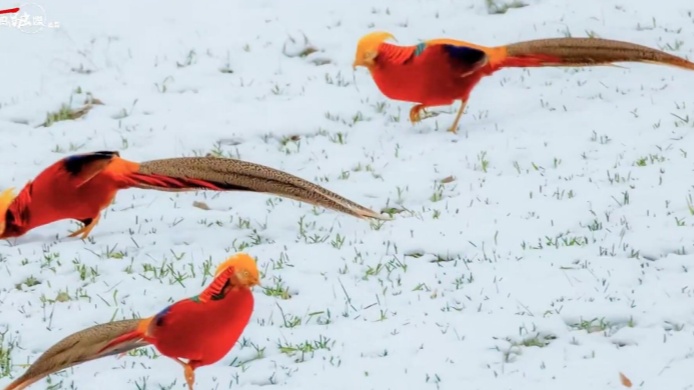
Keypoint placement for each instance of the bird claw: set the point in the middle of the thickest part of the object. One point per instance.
(416, 116)
(86, 229)
(416, 113)
(83, 233)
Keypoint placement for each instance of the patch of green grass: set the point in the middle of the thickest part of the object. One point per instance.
(277, 289)
(305, 348)
(537, 341)
(590, 326)
(7, 345)
(495, 8)
(65, 113)
(30, 281)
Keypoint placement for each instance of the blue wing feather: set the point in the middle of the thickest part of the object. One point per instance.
(463, 55)
(159, 317)
(76, 163)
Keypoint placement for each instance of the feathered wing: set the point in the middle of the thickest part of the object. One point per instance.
(83, 167)
(80, 347)
(464, 59)
(225, 174)
(493, 55)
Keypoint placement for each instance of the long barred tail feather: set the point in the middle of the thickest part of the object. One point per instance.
(225, 174)
(585, 52)
(79, 347)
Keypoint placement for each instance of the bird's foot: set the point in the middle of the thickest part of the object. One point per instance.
(415, 113)
(86, 229)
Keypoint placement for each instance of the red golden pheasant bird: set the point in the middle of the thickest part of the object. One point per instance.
(201, 329)
(80, 186)
(440, 71)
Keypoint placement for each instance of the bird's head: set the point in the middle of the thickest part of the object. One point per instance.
(6, 198)
(367, 48)
(245, 270)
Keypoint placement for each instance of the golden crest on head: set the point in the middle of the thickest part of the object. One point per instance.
(245, 267)
(367, 47)
(6, 198)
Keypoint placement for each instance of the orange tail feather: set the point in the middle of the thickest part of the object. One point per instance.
(529, 61)
(134, 335)
(169, 183)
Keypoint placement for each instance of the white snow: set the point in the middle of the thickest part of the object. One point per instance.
(565, 239)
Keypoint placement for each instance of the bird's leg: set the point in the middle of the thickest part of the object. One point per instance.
(454, 129)
(188, 372)
(190, 376)
(89, 224)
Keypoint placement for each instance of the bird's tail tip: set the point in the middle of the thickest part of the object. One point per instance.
(21, 383)
(370, 214)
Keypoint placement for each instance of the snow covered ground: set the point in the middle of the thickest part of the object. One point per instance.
(548, 245)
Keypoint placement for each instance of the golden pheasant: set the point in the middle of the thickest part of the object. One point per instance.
(201, 329)
(80, 186)
(440, 71)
